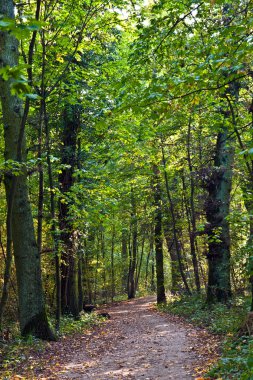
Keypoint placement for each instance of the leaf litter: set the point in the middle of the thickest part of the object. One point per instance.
(137, 342)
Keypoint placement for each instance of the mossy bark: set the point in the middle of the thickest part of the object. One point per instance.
(32, 315)
(217, 211)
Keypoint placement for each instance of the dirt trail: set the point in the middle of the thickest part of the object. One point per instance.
(138, 343)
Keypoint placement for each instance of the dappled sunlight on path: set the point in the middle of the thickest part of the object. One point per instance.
(137, 343)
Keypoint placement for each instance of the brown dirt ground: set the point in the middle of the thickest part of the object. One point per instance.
(137, 343)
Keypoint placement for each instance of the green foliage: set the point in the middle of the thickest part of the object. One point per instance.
(140, 76)
(218, 318)
(22, 27)
(19, 83)
(86, 320)
(237, 360)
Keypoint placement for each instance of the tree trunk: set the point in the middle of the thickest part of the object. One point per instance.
(175, 272)
(217, 210)
(32, 314)
(8, 263)
(133, 258)
(174, 227)
(191, 212)
(112, 264)
(41, 178)
(124, 261)
(86, 268)
(161, 298)
(138, 271)
(150, 252)
(52, 212)
(80, 280)
(103, 251)
(69, 267)
(152, 281)
(218, 202)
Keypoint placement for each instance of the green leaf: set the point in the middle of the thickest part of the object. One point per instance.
(250, 362)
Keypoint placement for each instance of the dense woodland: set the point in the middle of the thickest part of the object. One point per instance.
(126, 154)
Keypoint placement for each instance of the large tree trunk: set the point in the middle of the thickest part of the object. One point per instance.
(217, 206)
(32, 315)
(217, 210)
(69, 270)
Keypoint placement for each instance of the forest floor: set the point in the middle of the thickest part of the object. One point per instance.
(137, 342)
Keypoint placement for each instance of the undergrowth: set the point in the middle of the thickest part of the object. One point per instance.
(18, 349)
(236, 361)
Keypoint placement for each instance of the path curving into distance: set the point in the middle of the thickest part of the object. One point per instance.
(137, 343)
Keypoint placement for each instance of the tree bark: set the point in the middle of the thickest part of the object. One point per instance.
(69, 266)
(103, 251)
(8, 262)
(139, 266)
(133, 257)
(124, 261)
(161, 297)
(112, 264)
(32, 314)
(175, 272)
(217, 210)
(147, 261)
(174, 227)
(191, 212)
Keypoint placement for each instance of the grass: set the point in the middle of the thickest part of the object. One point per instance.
(237, 353)
(218, 318)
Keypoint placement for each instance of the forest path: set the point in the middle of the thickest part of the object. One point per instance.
(141, 343)
(137, 342)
